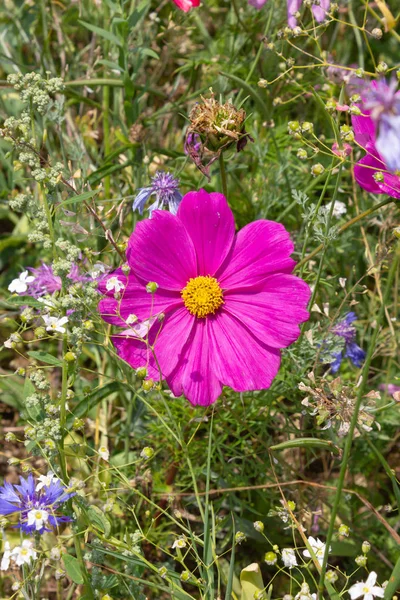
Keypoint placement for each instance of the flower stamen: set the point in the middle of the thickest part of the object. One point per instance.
(202, 296)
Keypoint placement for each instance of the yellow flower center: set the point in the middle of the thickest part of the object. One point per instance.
(202, 296)
(38, 515)
(24, 552)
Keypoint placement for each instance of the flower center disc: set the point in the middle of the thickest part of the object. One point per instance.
(202, 296)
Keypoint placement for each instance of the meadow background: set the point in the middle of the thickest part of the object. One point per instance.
(237, 482)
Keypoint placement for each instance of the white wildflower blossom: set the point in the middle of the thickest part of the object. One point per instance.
(20, 285)
(317, 547)
(289, 558)
(367, 589)
(45, 480)
(55, 323)
(104, 453)
(38, 518)
(114, 285)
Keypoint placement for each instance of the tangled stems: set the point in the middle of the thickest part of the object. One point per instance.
(349, 438)
(367, 212)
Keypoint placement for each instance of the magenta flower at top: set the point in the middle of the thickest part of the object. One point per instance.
(375, 131)
(186, 5)
(228, 302)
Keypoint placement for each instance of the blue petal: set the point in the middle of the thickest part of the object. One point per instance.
(350, 317)
(335, 365)
(8, 493)
(174, 202)
(355, 354)
(141, 199)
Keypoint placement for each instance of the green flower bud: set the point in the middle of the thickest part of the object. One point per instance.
(69, 357)
(151, 287)
(240, 537)
(163, 571)
(10, 437)
(344, 530)
(141, 372)
(381, 67)
(361, 561)
(186, 575)
(317, 169)
(270, 558)
(258, 526)
(40, 332)
(148, 385)
(331, 576)
(302, 154)
(147, 453)
(378, 176)
(366, 547)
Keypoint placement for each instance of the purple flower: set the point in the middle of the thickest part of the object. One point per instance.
(346, 330)
(36, 505)
(382, 100)
(165, 187)
(45, 282)
(193, 141)
(293, 6)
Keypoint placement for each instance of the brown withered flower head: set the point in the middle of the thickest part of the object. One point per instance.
(332, 403)
(214, 127)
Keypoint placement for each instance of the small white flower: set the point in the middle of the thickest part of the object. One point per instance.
(317, 547)
(55, 323)
(104, 453)
(5, 561)
(289, 557)
(179, 543)
(367, 589)
(338, 210)
(98, 270)
(48, 304)
(38, 518)
(114, 285)
(13, 339)
(22, 555)
(19, 285)
(55, 553)
(46, 480)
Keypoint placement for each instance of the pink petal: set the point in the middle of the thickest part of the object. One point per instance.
(161, 250)
(239, 359)
(390, 185)
(273, 313)
(134, 299)
(186, 5)
(211, 226)
(168, 339)
(364, 171)
(260, 249)
(321, 10)
(194, 375)
(364, 129)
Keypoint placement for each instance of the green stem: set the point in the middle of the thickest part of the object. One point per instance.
(344, 227)
(353, 424)
(106, 135)
(223, 175)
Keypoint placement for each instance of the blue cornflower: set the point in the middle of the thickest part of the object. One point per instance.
(36, 505)
(346, 330)
(165, 188)
(383, 103)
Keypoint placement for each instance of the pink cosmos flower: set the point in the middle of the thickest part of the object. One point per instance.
(226, 303)
(186, 5)
(371, 172)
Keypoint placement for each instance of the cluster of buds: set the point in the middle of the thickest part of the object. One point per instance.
(214, 127)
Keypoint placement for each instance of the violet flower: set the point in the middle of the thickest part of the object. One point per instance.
(346, 330)
(45, 282)
(375, 131)
(165, 188)
(319, 10)
(36, 506)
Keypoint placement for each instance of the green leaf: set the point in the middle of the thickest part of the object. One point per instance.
(394, 582)
(24, 301)
(101, 32)
(91, 400)
(252, 581)
(49, 359)
(308, 443)
(149, 52)
(79, 198)
(97, 518)
(73, 568)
